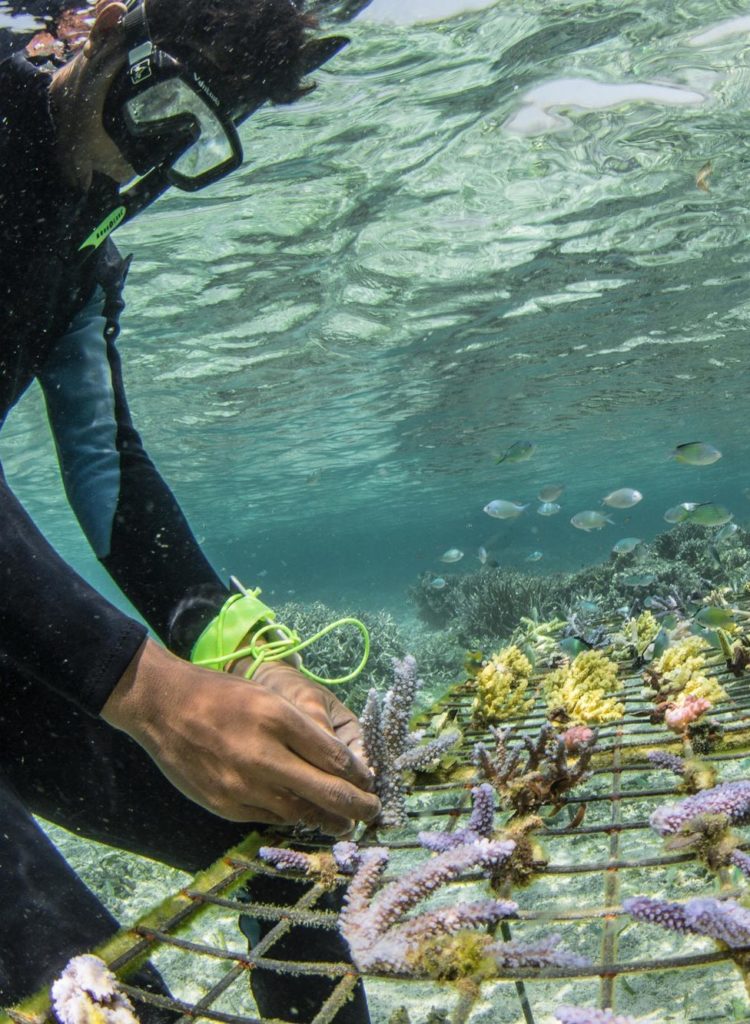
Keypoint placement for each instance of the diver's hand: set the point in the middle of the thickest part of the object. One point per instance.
(238, 748)
(311, 698)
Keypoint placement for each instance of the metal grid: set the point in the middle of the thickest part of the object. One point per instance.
(592, 866)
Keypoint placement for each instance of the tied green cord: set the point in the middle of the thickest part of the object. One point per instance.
(276, 650)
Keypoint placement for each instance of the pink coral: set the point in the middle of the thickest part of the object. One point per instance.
(575, 737)
(678, 716)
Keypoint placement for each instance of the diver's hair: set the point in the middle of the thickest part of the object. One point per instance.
(257, 44)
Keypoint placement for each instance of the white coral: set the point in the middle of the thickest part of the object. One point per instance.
(87, 993)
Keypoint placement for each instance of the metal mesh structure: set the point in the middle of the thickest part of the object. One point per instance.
(600, 850)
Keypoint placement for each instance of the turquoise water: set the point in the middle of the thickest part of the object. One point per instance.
(480, 229)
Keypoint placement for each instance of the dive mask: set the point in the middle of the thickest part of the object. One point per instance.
(168, 113)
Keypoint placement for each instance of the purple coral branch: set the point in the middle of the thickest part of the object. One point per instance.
(422, 758)
(724, 920)
(286, 860)
(741, 860)
(542, 953)
(730, 798)
(586, 1015)
(480, 824)
(663, 759)
(374, 927)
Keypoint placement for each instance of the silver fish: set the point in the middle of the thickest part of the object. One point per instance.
(725, 533)
(500, 509)
(452, 555)
(625, 497)
(590, 520)
(518, 452)
(548, 508)
(482, 554)
(626, 545)
(534, 556)
(678, 513)
(696, 453)
(438, 583)
(551, 492)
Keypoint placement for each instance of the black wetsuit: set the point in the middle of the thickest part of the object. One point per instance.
(63, 647)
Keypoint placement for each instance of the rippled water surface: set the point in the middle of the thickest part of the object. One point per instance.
(479, 229)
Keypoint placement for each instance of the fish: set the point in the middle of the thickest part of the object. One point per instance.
(639, 579)
(714, 617)
(703, 175)
(452, 555)
(696, 453)
(573, 646)
(520, 451)
(709, 514)
(548, 508)
(551, 492)
(725, 533)
(625, 497)
(679, 513)
(590, 520)
(438, 583)
(626, 545)
(482, 554)
(534, 556)
(500, 509)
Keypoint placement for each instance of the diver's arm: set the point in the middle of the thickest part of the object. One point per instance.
(126, 510)
(54, 626)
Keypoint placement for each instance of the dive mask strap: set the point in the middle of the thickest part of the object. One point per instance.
(246, 628)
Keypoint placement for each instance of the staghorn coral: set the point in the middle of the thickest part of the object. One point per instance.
(542, 953)
(588, 1015)
(501, 687)
(535, 772)
(87, 992)
(682, 670)
(390, 747)
(724, 920)
(731, 799)
(380, 935)
(480, 824)
(696, 774)
(585, 689)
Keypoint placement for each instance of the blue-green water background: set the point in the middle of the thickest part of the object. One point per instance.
(326, 352)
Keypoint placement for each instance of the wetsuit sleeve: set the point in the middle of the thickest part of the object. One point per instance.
(54, 626)
(125, 508)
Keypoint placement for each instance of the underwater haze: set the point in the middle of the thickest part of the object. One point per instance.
(522, 221)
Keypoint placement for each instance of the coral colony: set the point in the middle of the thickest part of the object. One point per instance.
(391, 748)
(87, 993)
(731, 799)
(480, 824)
(535, 772)
(724, 920)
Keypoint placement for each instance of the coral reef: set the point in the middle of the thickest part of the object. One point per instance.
(731, 799)
(390, 747)
(682, 671)
(87, 992)
(534, 772)
(380, 935)
(501, 687)
(724, 920)
(585, 689)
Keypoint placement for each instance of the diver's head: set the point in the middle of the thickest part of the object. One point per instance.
(164, 83)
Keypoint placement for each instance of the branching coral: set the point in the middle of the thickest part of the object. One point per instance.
(87, 992)
(724, 920)
(535, 772)
(381, 936)
(479, 826)
(731, 799)
(390, 747)
(585, 689)
(636, 637)
(682, 670)
(696, 775)
(501, 687)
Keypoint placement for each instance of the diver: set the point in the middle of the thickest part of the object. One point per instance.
(104, 730)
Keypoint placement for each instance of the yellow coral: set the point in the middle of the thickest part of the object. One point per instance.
(502, 685)
(585, 688)
(682, 669)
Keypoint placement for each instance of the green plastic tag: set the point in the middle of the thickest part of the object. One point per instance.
(105, 229)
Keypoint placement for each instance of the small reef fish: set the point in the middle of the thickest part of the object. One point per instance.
(626, 545)
(590, 520)
(548, 508)
(534, 556)
(639, 579)
(452, 555)
(625, 497)
(714, 617)
(703, 176)
(518, 452)
(551, 492)
(438, 583)
(696, 453)
(725, 533)
(709, 514)
(679, 513)
(482, 554)
(500, 509)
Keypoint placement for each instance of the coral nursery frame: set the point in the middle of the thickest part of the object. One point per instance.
(600, 849)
